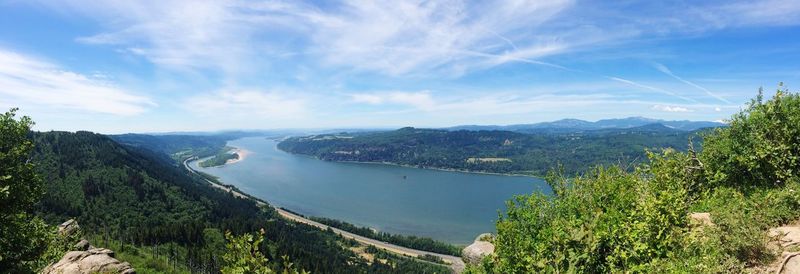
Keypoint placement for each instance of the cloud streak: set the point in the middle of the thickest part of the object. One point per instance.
(659, 90)
(29, 81)
(667, 71)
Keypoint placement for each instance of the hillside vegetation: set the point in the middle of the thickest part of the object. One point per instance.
(493, 151)
(611, 220)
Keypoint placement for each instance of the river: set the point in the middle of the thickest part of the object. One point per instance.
(448, 206)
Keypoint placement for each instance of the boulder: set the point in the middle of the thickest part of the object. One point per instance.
(480, 248)
(68, 228)
(787, 236)
(83, 245)
(95, 260)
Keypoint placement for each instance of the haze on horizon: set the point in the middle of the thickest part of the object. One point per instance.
(159, 66)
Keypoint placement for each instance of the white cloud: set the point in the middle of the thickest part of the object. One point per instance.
(402, 37)
(421, 100)
(251, 104)
(30, 82)
(670, 108)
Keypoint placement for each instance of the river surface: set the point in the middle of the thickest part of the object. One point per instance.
(448, 206)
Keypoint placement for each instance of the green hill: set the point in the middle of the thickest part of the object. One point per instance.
(493, 151)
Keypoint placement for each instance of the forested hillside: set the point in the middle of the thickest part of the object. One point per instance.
(135, 196)
(177, 146)
(493, 151)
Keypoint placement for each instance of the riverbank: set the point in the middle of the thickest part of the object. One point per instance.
(453, 262)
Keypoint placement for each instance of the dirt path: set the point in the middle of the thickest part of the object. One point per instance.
(455, 263)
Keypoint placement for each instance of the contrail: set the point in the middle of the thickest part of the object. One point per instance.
(666, 71)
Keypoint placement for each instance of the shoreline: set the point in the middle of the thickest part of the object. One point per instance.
(241, 155)
(412, 166)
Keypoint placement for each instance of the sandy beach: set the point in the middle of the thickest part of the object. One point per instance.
(242, 155)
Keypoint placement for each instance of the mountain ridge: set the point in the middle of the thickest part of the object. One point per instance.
(572, 124)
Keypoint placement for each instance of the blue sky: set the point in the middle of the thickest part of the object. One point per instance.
(154, 66)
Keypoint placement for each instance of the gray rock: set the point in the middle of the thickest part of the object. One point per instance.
(68, 227)
(83, 245)
(95, 260)
(787, 235)
(480, 248)
(791, 264)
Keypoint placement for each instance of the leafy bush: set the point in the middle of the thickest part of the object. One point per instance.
(243, 256)
(606, 221)
(761, 147)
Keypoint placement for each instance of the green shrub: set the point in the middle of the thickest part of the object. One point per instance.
(609, 220)
(761, 147)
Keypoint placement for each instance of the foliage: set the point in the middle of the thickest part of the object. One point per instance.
(23, 237)
(384, 261)
(761, 147)
(419, 243)
(611, 220)
(607, 221)
(492, 151)
(243, 256)
(57, 245)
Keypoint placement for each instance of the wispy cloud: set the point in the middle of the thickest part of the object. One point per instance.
(30, 82)
(670, 108)
(249, 104)
(667, 71)
(398, 37)
(651, 88)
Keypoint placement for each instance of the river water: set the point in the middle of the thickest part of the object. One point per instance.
(448, 206)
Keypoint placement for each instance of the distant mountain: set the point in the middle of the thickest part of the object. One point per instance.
(575, 125)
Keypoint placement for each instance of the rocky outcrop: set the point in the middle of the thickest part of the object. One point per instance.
(68, 228)
(95, 260)
(787, 236)
(85, 258)
(480, 248)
